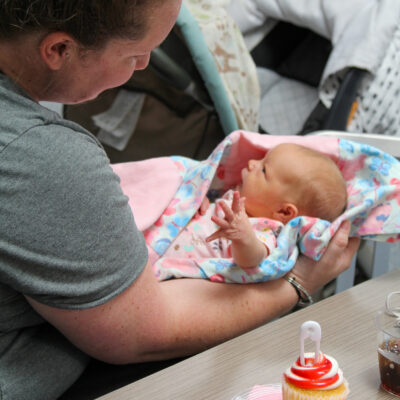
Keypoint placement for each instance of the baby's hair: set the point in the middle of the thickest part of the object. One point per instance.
(324, 193)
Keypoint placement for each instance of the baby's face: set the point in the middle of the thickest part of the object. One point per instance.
(266, 183)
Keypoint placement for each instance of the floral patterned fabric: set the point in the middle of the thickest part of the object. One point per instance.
(373, 185)
(190, 246)
(234, 62)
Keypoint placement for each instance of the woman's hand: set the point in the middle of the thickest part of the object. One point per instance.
(313, 275)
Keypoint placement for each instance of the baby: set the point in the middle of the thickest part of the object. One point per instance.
(290, 181)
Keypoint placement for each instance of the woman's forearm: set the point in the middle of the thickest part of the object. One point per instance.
(208, 313)
(159, 320)
(153, 321)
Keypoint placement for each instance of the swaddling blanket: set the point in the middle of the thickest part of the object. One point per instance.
(165, 204)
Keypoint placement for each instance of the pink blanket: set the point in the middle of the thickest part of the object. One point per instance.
(166, 192)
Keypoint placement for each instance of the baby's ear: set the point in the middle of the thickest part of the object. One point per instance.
(286, 212)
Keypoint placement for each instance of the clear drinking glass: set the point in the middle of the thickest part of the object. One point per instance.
(388, 323)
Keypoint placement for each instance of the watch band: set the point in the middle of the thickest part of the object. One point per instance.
(305, 298)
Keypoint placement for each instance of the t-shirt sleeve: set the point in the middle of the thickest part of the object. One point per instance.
(70, 236)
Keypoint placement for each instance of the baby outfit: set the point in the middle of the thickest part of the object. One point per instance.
(190, 249)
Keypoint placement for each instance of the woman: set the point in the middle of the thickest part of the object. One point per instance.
(74, 279)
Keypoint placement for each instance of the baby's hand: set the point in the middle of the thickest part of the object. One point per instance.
(235, 226)
(205, 204)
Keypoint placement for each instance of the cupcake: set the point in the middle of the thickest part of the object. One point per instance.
(314, 378)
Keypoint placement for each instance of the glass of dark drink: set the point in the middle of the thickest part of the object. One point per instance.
(388, 324)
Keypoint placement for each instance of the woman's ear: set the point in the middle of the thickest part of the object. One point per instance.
(286, 212)
(55, 49)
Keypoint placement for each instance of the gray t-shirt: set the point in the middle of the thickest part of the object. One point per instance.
(67, 239)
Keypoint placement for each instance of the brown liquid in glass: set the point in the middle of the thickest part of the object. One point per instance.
(389, 369)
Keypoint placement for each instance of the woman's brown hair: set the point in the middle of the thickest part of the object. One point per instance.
(90, 22)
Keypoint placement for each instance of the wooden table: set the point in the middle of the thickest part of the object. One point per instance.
(260, 356)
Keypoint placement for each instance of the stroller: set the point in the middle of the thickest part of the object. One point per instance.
(210, 78)
(326, 66)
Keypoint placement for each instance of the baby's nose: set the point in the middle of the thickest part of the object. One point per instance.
(252, 164)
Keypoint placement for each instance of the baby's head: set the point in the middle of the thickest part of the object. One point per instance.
(320, 187)
(293, 180)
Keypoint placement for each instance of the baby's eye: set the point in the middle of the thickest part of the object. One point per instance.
(264, 171)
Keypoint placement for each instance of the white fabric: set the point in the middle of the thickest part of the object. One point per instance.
(360, 30)
(378, 104)
(364, 34)
(251, 21)
(118, 123)
(285, 103)
(235, 65)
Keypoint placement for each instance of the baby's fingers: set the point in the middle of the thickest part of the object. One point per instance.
(242, 204)
(213, 236)
(237, 203)
(222, 223)
(227, 211)
(204, 206)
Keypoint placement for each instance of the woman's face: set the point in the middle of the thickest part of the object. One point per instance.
(88, 74)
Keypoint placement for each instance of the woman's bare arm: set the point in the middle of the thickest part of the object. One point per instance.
(154, 321)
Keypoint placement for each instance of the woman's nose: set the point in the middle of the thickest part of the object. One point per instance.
(142, 62)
